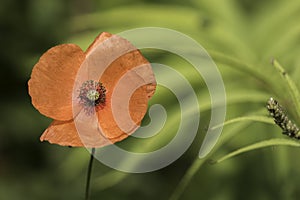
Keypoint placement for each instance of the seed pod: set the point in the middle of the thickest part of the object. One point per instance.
(282, 120)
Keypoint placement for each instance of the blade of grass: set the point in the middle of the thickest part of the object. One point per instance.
(292, 88)
(197, 163)
(258, 145)
(262, 119)
(239, 65)
(239, 96)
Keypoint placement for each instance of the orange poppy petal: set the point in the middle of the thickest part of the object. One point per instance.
(52, 80)
(66, 134)
(104, 50)
(136, 88)
(129, 86)
(122, 118)
(88, 130)
(62, 133)
(82, 132)
(99, 39)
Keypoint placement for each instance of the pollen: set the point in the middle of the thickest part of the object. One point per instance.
(92, 96)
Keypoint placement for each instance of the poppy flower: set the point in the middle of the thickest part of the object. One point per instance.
(95, 98)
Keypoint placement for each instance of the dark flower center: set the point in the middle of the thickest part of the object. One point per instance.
(92, 96)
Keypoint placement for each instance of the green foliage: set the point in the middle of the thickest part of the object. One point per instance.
(241, 36)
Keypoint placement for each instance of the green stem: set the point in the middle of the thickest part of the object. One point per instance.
(89, 172)
(294, 92)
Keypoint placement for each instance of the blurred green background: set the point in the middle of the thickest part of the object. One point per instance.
(241, 37)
